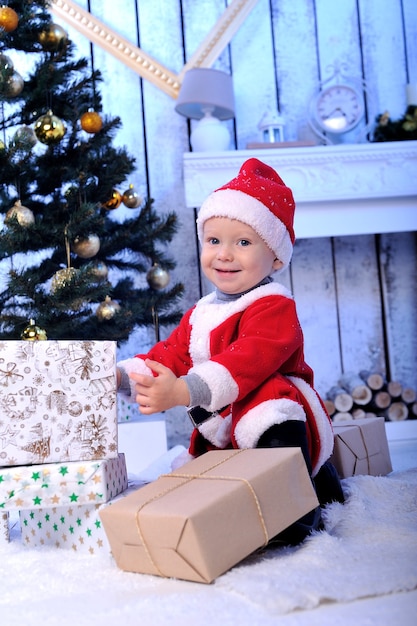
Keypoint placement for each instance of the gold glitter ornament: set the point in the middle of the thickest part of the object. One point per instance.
(53, 38)
(32, 332)
(91, 121)
(23, 215)
(9, 19)
(86, 247)
(49, 129)
(107, 310)
(157, 277)
(131, 199)
(62, 278)
(114, 202)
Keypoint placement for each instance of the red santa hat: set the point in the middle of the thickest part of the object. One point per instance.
(258, 197)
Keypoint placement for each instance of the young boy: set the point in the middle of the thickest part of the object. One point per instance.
(236, 359)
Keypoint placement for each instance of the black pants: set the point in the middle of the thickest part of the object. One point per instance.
(326, 482)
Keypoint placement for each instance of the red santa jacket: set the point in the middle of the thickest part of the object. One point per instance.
(250, 354)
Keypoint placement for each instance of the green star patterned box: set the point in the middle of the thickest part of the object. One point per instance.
(57, 401)
(62, 484)
(75, 528)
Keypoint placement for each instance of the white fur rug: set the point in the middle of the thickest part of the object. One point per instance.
(369, 548)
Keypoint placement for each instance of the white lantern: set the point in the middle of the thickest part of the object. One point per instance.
(272, 127)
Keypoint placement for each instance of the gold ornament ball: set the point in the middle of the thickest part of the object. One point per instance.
(131, 199)
(32, 332)
(107, 310)
(157, 277)
(86, 247)
(23, 215)
(13, 86)
(49, 129)
(91, 122)
(53, 38)
(62, 278)
(2, 146)
(9, 19)
(114, 201)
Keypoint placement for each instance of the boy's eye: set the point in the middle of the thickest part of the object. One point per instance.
(213, 240)
(244, 242)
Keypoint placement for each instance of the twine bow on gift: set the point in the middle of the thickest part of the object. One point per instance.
(188, 478)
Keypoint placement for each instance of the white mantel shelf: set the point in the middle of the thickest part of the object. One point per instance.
(338, 190)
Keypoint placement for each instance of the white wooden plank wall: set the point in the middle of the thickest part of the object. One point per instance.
(357, 296)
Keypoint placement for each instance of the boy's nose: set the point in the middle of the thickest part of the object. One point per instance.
(224, 252)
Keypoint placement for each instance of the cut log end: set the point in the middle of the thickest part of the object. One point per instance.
(397, 412)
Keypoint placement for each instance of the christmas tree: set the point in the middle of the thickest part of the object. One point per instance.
(67, 267)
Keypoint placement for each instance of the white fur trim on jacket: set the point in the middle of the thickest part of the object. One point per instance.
(240, 206)
(208, 315)
(137, 366)
(223, 387)
(217, 430)
(261, 417)
(324, 427)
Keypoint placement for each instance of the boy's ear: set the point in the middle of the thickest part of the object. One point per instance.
(277, 264)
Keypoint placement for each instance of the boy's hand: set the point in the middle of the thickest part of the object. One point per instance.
(161, 392)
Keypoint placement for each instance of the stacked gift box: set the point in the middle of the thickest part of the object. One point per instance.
(59, 459)
(60, 467)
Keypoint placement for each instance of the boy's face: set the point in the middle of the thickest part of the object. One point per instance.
(233, 256)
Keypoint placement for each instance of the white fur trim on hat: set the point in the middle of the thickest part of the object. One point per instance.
(238, 205)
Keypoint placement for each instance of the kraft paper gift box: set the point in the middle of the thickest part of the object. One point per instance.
(62, 484)
(361, 447)
(57, 401)
(199, 521)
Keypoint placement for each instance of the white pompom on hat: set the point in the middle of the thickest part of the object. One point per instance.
(260, 198)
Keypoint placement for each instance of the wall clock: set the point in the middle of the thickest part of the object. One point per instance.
(337, 107)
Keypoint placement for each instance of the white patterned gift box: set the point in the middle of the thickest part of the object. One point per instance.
(76, 528)
(62, 484)
(57, 401)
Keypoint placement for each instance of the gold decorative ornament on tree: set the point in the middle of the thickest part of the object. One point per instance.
(53, 38)
(23, 215)
(107, 310)
(86, 247)
(114, 201)
(49, 129)
(131, 199)
(32, 332)
(91, 121)
(9, 19)
(157, 277)
(62, 278)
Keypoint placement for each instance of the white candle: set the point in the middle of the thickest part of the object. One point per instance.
(411, 90)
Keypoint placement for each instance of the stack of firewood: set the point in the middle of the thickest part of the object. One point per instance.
(368, 394)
